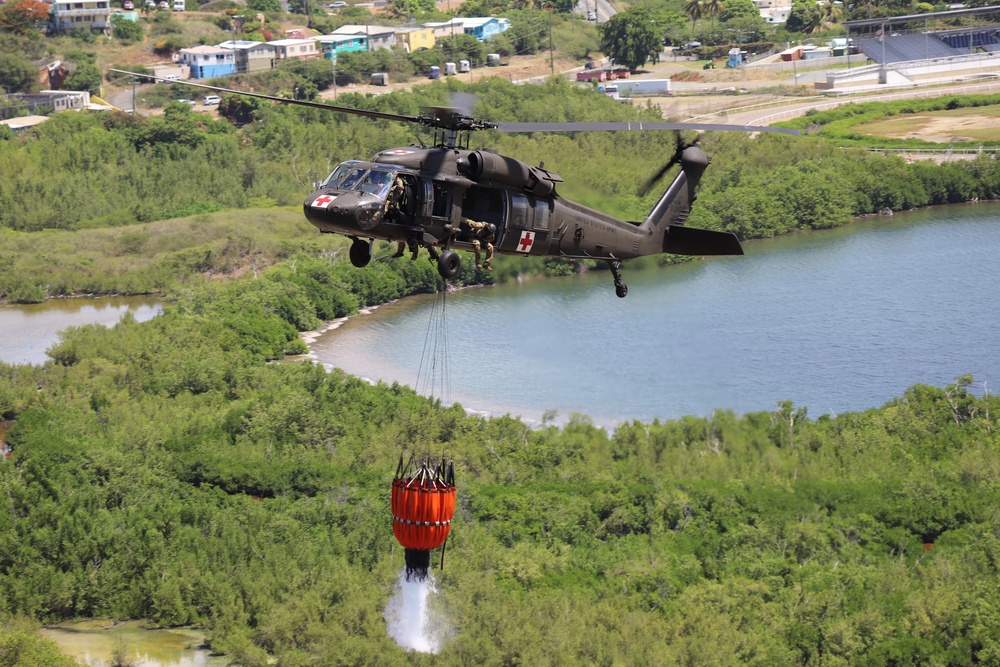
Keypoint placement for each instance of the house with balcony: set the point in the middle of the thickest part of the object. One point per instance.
(415, 39)
(333, 45)
(377, 36)
(251, 56)
(208, 61)
(72, 14)
(285, 49)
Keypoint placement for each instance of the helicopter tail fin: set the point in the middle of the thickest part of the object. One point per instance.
(672, 210)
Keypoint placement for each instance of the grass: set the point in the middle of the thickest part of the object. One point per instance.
(156, 257)
(921, 124)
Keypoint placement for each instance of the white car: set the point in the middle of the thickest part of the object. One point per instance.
(210, 100)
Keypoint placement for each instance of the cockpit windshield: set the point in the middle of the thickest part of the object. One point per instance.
(372, 181)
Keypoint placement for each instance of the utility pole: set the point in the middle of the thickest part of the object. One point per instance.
(552, 65)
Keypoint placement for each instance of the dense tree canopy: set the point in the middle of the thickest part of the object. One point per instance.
(17, 74)
(166, 470)
(631, 38)
(23, 16)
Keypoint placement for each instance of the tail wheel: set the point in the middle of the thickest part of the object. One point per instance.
(621, 290)
(361, 253)
(449, 264)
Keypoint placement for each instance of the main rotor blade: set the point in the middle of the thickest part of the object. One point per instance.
(282, 100)
(628, 126)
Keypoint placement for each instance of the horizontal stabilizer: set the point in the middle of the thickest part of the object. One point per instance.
(682, 240)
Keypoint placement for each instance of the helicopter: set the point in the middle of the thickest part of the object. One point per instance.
(446, 185)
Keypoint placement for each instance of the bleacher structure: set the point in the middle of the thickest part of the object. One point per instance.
(914, 37)
(906, 48)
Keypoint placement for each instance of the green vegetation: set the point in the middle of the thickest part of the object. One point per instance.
(124, 173)
(168, 471)
(845, 124)
(165, 471)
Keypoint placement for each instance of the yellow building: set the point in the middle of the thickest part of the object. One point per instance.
(71, 14)
(415, 39)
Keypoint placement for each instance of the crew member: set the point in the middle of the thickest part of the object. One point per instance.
(393, 206)
(482, 231)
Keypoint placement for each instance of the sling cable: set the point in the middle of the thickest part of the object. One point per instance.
(423, 492)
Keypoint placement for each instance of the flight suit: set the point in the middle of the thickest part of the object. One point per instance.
(481, 230)
(393, 200)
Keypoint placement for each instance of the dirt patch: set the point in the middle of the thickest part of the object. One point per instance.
(518, 69)
(937, 129)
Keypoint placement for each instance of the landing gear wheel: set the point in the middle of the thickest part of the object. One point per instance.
(449, 264)
(621, 289)
(361, 253)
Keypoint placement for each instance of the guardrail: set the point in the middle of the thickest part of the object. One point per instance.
(972, 89)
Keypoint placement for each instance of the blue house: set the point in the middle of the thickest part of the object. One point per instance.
(484, 28)
(480, 28)
(331, 45)
(208, 61)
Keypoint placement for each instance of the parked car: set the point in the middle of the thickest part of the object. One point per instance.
(172, 77)
(183, 101)
(164, 4)
(340, 4)
(128, 4)
(209, 100)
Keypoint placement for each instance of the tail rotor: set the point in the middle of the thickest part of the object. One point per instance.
(675, 159)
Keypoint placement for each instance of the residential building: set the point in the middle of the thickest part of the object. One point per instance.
(294, 48)
(332, 45)
(484, 28)
(773, 11)
(251, 56)
(480, 28)
(57, 100)
(208, 61)
(416, 39)
(378, 36)
(72, 14)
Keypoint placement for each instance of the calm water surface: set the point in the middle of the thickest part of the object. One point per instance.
(90, 644)
(835, 321)
(27, 331)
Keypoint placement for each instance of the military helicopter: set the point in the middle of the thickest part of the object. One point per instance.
(447, 184)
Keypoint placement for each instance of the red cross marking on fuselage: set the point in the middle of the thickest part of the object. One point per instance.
(527, 239)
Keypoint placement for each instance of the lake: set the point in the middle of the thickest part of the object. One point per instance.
(27, 331)
(838, 320)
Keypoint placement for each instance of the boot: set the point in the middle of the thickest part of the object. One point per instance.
(487, 266)
(413, 257)
(399, 253)
(478, 265)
